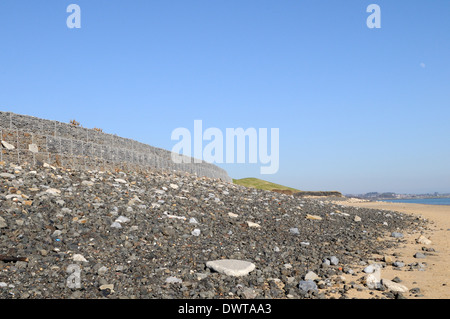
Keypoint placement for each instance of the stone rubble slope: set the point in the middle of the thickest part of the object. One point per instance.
(95, 234)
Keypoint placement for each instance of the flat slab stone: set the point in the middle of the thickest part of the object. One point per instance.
(231, 267)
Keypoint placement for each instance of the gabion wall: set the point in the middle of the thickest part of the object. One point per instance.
(34, 140)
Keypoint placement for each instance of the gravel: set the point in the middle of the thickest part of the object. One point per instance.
(94, 234)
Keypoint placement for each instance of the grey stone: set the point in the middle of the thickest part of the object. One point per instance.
(201, 276)
(116, 225)
(60, 202)
(173, 280)
(21, 264)
(419, 255)
(3, 223)
(20, 222)
(249, 293)
(334, 260)
(372, 268)
(33, 148)
(307, 285)
(7, 175)
(122, 219)
(396, 235)
(102, 270)
(207, 294)
(57, 233)
(397, 280)
(119, 268)
(326, 262)
(53, 191)
(87, 183)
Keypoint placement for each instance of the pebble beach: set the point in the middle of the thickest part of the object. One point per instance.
(69, 234)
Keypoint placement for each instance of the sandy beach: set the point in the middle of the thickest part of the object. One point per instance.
(434, 281)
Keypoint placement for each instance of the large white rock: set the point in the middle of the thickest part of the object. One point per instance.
(311, 276)
(231, 267)
(78, 257)
(373, 280)
(7, 145)
(393, 286)
(423, 240)
(253, 225)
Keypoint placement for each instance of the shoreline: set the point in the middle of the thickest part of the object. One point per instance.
(411, 201)
(434, 281)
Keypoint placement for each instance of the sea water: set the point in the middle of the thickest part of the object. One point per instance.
(425, 201)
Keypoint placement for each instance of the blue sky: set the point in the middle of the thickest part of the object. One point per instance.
(358, 109)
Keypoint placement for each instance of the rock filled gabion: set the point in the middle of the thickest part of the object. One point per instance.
(27, 139)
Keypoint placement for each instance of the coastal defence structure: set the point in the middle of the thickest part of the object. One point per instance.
(27, 139)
